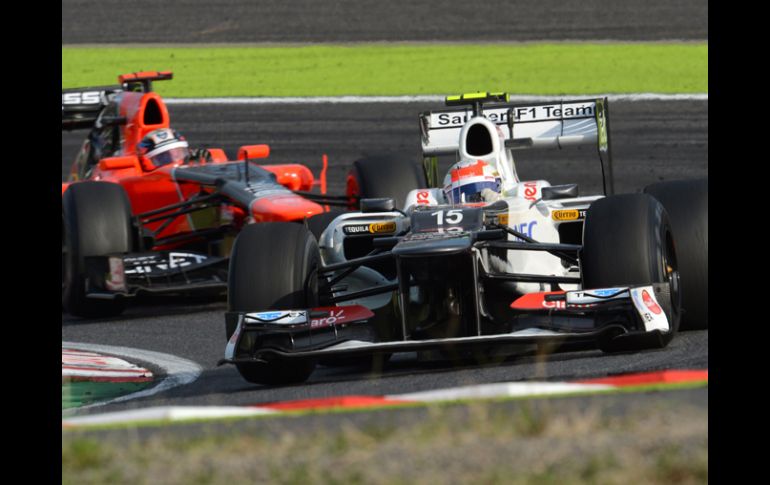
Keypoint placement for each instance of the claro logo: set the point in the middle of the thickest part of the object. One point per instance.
(333, 318)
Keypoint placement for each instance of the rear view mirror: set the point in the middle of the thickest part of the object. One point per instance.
(377, 205)
(116, 163)
(253, 151)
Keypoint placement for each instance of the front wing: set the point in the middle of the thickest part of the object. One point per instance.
(554, 317)
(161, 272)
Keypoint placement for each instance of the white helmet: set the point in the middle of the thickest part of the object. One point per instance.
(467, 179)
(163, 146)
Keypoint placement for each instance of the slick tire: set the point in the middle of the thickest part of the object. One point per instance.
(389, 175)
(273, 267)
(319, 222)
(687, 204)
(627, 240)
(96, 220)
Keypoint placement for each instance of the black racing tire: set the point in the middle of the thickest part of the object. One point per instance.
(388, 175)
(687, 204)
(273, 266)
(627, 240)
(318, 223)
(96, 220)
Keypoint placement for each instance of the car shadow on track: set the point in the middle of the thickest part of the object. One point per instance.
(155, 306)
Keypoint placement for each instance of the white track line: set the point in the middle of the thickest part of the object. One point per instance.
(632, 97)
(178, 371)
(166, 413)
(502, 389)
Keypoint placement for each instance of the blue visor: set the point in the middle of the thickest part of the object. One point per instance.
(471, 191)
(170, 156)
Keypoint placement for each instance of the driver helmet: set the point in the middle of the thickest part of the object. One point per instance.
(467, 179)
(163, 146)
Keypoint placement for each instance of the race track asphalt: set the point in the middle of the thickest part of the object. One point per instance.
(652, 141)
(297, 21)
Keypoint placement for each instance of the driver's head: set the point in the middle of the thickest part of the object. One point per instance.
(467, 179)
(163, 146)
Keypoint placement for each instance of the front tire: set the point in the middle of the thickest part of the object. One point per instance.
(627, 240)
(96, 220)
(687, 204)
(273, 267)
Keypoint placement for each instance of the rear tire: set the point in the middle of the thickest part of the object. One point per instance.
(319, 222)
(390, 175)
(627, 240)
(96, 220)
(687, 204)
(273, 267)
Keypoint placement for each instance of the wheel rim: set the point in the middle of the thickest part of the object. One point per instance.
(671, 274)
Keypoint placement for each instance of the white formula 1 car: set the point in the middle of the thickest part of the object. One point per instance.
(529, 263)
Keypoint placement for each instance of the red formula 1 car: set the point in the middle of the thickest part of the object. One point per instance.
(142, 212)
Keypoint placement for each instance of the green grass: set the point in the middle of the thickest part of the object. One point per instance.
(79, 393)
(531, 442)
(329, 70)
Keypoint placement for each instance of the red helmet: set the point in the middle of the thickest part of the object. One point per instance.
(467, 179)
(162, 147)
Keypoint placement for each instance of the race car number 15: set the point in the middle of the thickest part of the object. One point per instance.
(466, 219)
(453, 216)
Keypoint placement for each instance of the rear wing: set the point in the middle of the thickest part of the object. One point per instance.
(523, 125)
(80, 107)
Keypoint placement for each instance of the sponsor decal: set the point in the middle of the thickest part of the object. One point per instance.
(423, 197)
(285, 316)
(340, 315)
(148, 264)
(116, 279)
(530, 191)
(85, 97)
(270, 315)
(356, 229)
(568, 215)
(605, 291)
(540, 300)
(596, 296)
(328, 321)
(388, 227)
(650, 303)
(550, 112)
(648, 309)
(556, 305)
(526, 228)
(521, 114)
